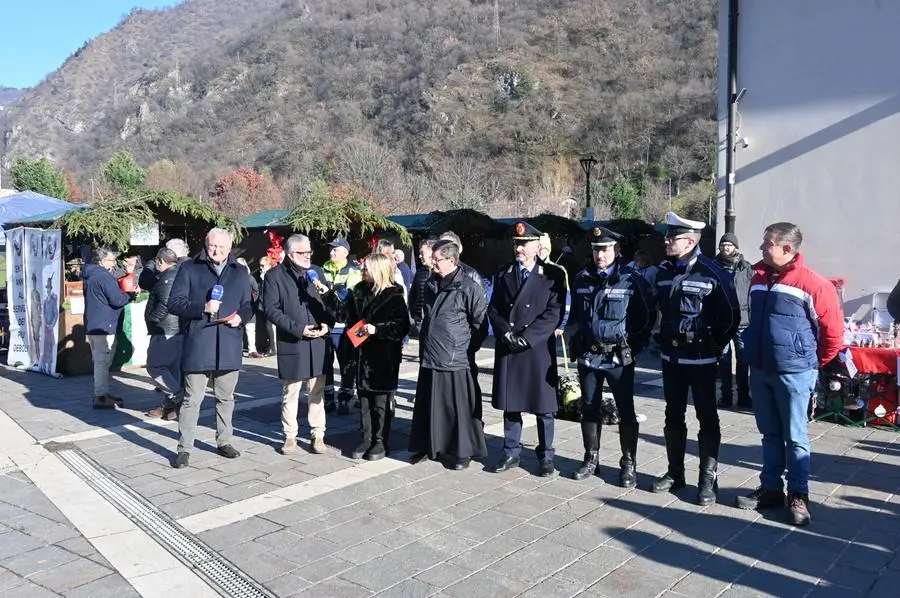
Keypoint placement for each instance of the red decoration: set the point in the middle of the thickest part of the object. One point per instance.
(520, 229)
(373, 242)
(275, 251)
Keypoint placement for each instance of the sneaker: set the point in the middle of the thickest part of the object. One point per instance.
(760, 499)
(318, 445)
(228, 451)
(289, 447)
(798, 506)
(182, 460)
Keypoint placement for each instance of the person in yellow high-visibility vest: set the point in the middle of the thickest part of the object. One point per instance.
(341, 276)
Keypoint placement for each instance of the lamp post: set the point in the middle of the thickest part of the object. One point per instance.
(587, 164)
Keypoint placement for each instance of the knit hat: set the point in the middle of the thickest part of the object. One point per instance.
(729, 238)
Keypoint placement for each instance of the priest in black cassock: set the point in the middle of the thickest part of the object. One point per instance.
(446, 417)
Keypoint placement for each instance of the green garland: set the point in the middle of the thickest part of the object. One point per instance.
(342, 216)
(111, 221)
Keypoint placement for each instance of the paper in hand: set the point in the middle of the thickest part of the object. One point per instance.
(223, 320)
(357, 333)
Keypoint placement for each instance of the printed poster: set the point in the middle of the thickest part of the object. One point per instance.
(33, 287)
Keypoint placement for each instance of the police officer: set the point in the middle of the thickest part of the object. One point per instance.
(614, 312)
(699, 315)
(340, 275)
(525, 309)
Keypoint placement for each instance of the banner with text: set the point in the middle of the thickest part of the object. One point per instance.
(34, 298)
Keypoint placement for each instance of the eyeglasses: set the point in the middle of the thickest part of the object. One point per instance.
(670, 239)
(302, 253)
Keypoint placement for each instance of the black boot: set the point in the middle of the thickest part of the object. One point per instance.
(329, 402)
(708, 485)
(366, 421)
(378, 411)
(590, 433)
(676, 443)
(343, 401)
(628, 437)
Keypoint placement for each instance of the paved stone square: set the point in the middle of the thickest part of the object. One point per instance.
(328, 526)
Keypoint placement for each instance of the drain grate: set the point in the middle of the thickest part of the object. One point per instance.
(226, 577)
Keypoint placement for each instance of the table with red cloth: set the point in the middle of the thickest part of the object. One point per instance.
(876, 376)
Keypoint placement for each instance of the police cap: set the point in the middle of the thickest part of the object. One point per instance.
(603, 237)
(522, 231)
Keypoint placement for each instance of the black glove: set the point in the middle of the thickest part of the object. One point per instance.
(515, 343)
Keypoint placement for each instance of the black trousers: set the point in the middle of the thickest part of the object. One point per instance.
(344, 351)
(700, 380)
(621, 384)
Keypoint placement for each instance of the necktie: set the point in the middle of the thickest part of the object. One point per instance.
(524, 274)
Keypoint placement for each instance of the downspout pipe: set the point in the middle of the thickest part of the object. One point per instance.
(733, 14)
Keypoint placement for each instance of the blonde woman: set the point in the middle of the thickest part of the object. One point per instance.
(379, 301)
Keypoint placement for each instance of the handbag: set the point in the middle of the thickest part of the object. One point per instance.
(568, 391)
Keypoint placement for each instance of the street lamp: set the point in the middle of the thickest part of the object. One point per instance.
(587, 164)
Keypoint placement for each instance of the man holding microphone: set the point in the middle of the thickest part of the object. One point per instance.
(211, 294)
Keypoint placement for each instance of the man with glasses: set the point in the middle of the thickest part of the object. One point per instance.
(525, 310)
(293, 303)
(213, 340)
(699, 316)
(103, 304)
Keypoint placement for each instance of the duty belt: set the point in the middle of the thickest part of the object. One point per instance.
(601, 348)
(683, 340)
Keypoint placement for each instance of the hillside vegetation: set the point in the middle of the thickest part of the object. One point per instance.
(458, 103)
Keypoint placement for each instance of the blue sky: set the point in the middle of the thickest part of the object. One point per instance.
(38, 35)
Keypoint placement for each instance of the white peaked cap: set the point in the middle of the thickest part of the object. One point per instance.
(674, 221)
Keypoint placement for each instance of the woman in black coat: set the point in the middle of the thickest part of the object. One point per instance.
(379, 302)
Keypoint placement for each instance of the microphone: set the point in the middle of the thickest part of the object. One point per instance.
(312, 276)
(216, 295)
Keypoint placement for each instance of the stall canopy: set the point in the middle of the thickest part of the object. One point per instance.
(21, 207)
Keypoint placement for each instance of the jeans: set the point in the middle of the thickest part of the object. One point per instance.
(741, 370)
(164, 365)
(103, 349)
(779, 403)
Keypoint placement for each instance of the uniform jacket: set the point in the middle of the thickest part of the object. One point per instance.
(156, 312)
(526, 381)
(103, 300)
(454, 313)
(618, 311)
(796, 322)
(741, 271)
(207, 346)
(699, 310)
(341, 279)
(292, 303)
(378, 357)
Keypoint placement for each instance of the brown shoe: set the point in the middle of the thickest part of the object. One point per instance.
(318, 445)
(798, 508)
(158, 412)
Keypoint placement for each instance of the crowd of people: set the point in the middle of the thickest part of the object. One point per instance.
(776, 320)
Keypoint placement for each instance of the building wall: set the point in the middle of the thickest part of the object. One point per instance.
(822, 115)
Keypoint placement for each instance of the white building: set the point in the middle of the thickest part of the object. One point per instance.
(817, 132)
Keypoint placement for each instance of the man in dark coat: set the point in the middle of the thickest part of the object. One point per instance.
(103, 304)
(417, 289)
(447, 415)
(613, 312)
(166, 341)
(731, 258)
(699, 315)
(302, 324)
(213, 339)
(480, 335)
(525, 310)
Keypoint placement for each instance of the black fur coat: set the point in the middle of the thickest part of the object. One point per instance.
(377, 359)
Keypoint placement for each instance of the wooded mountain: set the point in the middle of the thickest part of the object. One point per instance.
(511, 92)
(8, 95)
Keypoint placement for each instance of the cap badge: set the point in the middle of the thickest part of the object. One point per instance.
(520, 229)
(597, 231)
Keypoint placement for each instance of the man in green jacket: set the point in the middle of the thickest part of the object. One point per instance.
(341, 276)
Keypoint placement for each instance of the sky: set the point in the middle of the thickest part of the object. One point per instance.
(38, 35)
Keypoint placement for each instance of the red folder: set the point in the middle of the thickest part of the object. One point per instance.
(357, 333)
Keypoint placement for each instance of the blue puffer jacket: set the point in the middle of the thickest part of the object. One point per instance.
(103, 300)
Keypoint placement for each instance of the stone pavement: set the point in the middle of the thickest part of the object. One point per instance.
(327, 526)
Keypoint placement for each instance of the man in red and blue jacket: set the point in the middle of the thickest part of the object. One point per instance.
(796, 327)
